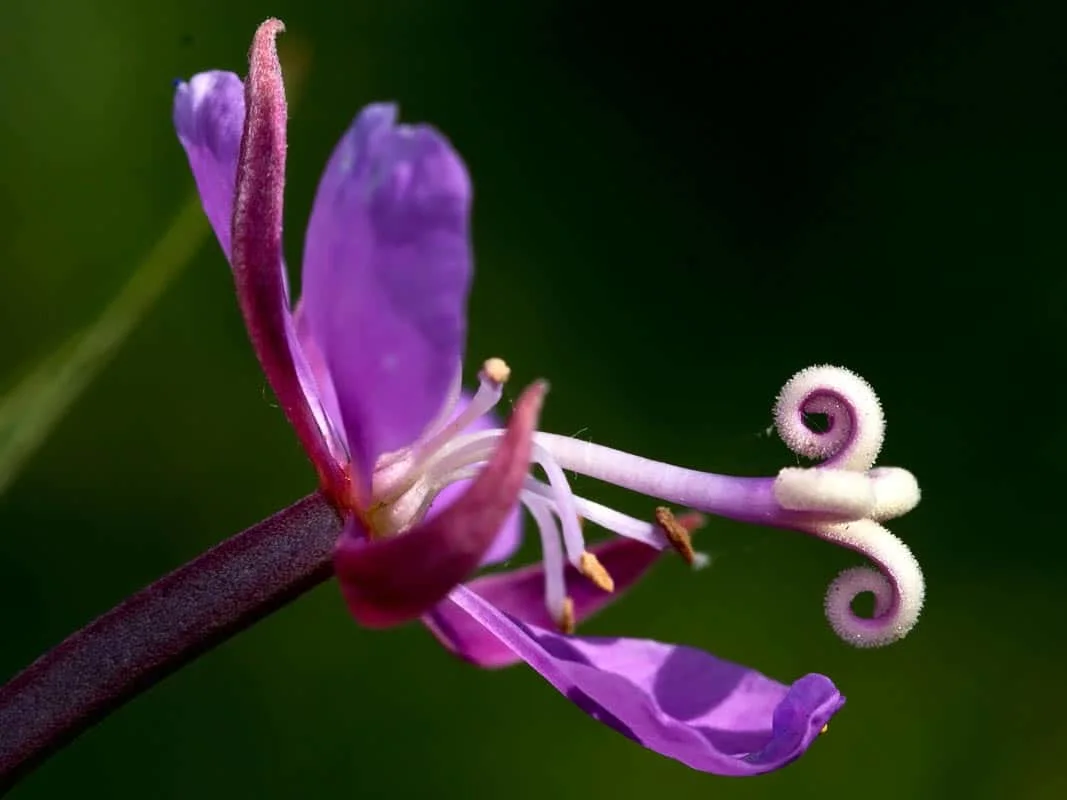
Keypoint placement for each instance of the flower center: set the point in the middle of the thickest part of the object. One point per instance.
(404, 483)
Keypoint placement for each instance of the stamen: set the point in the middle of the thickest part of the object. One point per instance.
(448, 408)
(559, 606)
(573, 540)
(459, 454)
(541, 508)
(399, 514)
(607, 518)
(496, 370)
(491, 380)
(566, 620)
(396, 472)
(676, 534)
(551, 556)
(589, 565)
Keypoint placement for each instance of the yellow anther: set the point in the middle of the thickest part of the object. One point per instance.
(677, 533)
(590, 566)
(496, 370)
(566, 620)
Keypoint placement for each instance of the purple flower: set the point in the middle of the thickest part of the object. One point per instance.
(367, 368)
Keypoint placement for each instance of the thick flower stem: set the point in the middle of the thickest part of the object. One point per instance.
(156, 631)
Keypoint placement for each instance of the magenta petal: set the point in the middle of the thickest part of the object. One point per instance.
(257, 263)
(521, 593)
(507, 540)
(709, 714)
(209, 115)
(510, 536)
(387, 270)
(393, 580)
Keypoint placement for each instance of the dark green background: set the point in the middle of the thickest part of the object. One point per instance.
(677, 207)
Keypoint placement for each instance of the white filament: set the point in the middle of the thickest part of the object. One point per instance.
(397, 472)
(563, 497)
(490, 389)
(448, 407)
(462, 451)
(607, 518)
(392, 467)
(551, 554)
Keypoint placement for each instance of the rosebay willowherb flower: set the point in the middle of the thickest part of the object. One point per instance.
(367, 369)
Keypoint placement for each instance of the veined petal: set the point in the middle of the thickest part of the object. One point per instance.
(510, 536)
(387, 271)
(262, 289)
(209, 115)
(709, 714)
(393, 580)
(521, 594)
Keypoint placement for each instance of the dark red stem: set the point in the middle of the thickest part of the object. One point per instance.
(161, 628)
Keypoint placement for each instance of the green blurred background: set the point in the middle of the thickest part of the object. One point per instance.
(678, 206)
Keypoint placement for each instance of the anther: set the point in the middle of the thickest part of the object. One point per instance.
(590, 566)
(677, 533)
(496, 370)
(491, 378)
(825, 728)
(566, 622)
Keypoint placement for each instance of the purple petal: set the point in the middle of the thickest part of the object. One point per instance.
(314, 374)
(709, 714)
(209, 115)
(259, 273)
(392, 580)
(521, 593)
(510, 536)
(387, 270)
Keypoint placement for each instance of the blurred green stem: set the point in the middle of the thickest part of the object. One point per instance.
(30, 410)
(161, 628)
